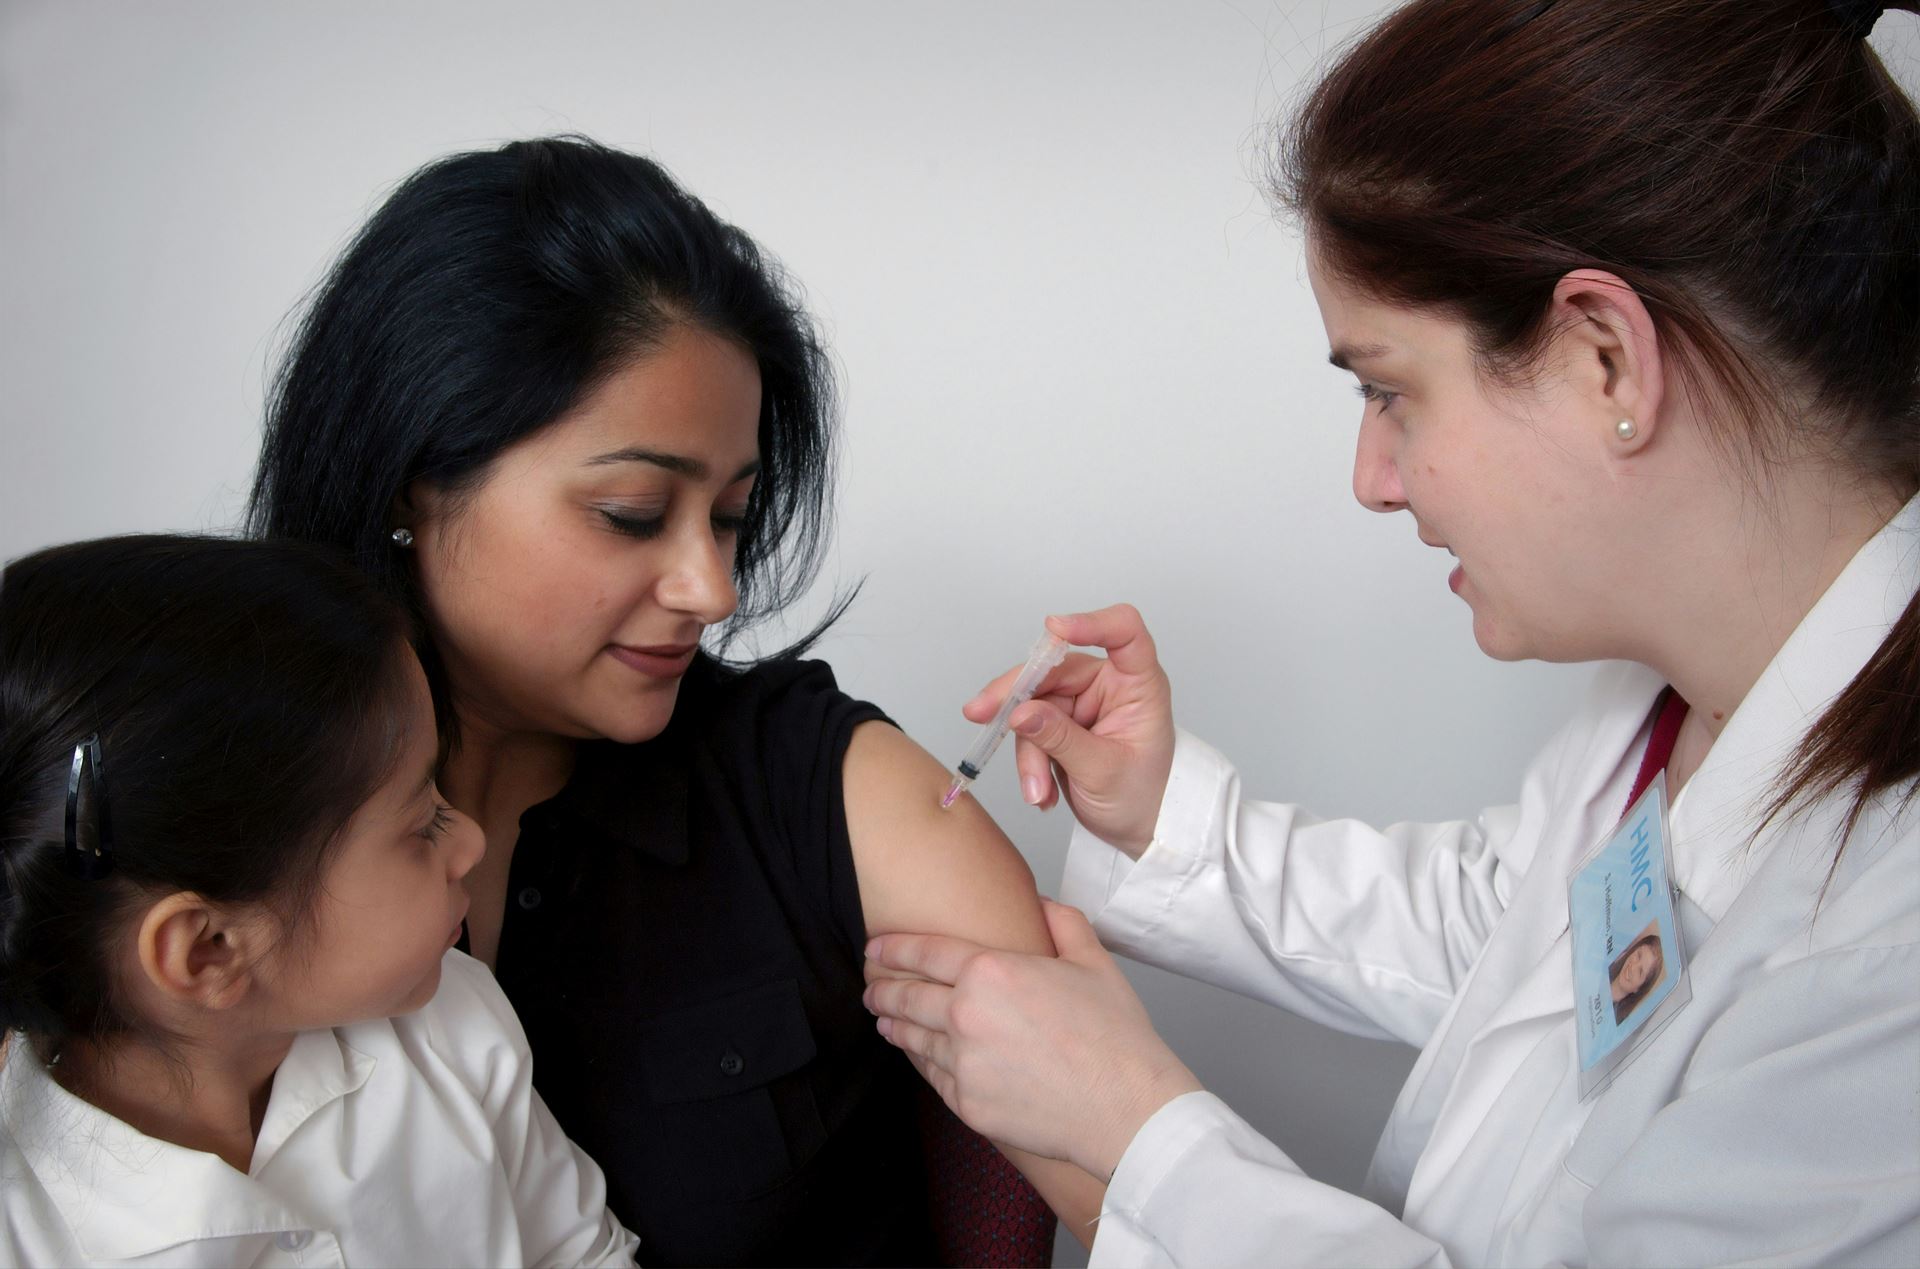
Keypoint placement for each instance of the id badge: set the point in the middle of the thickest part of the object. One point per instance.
(1629, 968)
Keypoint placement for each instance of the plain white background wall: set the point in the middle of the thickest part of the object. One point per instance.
(1079, 360)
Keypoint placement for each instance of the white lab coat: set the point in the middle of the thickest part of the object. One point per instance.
(408, 1141)
(1775, 1121)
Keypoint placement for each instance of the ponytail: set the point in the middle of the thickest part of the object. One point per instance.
(1868, 740)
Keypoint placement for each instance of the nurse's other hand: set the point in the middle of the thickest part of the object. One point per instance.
(1055, 1056)
(1100, 729)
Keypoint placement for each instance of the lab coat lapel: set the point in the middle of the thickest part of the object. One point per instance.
(1759, 885)
(1518, 978)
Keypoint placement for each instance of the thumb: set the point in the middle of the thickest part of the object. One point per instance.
(1073, 936)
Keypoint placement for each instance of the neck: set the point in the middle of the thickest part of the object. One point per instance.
(194, 1094)
(495, 773)
(1740, 577)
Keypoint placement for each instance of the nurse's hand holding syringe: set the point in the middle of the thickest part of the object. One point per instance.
(1105, 724)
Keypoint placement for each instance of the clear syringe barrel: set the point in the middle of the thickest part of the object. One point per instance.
(1047, 653)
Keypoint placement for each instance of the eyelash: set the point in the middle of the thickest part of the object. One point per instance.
(1369, 393)
(437, 826)
(646, 530)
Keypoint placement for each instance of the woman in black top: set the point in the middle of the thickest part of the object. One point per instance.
(574, 421)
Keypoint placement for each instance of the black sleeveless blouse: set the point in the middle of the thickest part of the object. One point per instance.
(683, 942)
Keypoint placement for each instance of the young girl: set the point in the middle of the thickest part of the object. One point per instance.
(224, 870)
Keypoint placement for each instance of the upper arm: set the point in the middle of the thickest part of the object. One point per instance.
(928, 870)
(925, 869)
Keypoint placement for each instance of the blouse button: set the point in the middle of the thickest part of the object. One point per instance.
(530, 898)
(732, 1063)
(292, 1239)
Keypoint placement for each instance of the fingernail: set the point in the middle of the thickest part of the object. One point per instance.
(1033, 790)
(1028, 724)
(873, 949)
(885, 1027)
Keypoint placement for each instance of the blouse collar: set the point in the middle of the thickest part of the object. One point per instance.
(635, 795)
(632, 795)
(124, 1194)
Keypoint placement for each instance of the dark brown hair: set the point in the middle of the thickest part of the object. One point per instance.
(1747, 166)
(247, 699)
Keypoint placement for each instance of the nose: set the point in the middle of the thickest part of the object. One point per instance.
(466, 844)
(1376, 469)
(699, 577)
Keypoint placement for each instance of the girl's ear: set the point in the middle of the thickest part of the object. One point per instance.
(1612, 355)
(197, 954)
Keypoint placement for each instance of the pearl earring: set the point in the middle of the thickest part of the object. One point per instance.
(1625, 429)
(402, 537)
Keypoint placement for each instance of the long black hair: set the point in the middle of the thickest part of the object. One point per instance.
(246, 697)
(491, 292)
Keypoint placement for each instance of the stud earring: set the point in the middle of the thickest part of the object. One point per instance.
(1625, 429)
(402, 537)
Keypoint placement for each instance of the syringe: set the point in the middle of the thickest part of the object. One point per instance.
(1047, 653)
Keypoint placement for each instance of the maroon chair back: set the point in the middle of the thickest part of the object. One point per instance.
(984, 1212)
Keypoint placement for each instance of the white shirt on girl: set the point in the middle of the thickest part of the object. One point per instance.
(415, 1140)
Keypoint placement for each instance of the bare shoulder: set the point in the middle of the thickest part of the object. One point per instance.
(926, 869)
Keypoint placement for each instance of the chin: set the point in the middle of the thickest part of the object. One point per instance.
(1501, 645)
(420, 995)
(640, 721)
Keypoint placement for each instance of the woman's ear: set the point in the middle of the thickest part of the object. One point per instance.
(407, 507)
(197, 954)
(1611, 352)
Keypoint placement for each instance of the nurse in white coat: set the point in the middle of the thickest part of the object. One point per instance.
(1632, 289)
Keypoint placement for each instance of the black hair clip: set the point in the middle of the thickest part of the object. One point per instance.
(89, 865)
(1857, 16)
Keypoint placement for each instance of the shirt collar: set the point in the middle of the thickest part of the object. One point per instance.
(1716, 816)
(637, 795)
(124, 1194)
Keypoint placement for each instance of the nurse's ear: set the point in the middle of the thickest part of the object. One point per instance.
(1609, 352)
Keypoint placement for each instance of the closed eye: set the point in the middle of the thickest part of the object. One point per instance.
(633, 526)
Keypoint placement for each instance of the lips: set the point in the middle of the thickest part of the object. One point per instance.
(661, 661)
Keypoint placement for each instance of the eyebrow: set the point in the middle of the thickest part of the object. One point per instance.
(691, 468)
(1345, 356)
